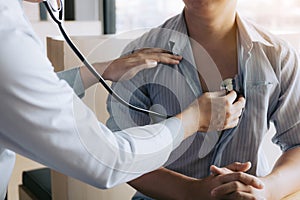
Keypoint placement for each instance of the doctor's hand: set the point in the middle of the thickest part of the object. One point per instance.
(236, 190)
(128, 66)
(213, 111)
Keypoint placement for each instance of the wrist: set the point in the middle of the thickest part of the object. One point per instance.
(189, 120)
(103, 69)
(194, 188)
(269, 188)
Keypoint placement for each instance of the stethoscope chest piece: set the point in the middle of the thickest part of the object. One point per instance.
(228, 85)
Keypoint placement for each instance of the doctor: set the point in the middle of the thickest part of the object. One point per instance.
(42, 119)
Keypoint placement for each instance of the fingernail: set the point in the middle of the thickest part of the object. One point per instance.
(261, 184)
(151, 63)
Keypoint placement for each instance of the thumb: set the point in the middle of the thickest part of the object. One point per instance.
(231, 96)
(219, 171)
(239, 167)
(216, 94)
(234, 167)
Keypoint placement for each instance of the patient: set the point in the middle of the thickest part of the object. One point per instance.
(216, 44)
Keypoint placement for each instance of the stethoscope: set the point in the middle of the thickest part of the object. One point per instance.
(56, 6)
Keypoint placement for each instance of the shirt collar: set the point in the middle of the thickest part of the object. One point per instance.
(248, 34)
(179, 37)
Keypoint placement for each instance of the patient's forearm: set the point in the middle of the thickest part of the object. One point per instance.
(284, 178)
(162, 184)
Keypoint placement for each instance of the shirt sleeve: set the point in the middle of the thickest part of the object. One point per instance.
(73, 78)
(286, 117)
(133, 91)
(44, 120)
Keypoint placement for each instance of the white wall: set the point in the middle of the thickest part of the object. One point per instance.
(87, 13)
(86, 10)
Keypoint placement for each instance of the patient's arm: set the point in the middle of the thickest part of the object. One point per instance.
(162, 184)
(282, 181)
(285, 176)
(167, 184)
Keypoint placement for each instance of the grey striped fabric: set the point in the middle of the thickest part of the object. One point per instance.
(268, 74)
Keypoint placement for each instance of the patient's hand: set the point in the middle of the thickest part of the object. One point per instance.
(236, 190)
(203, 189)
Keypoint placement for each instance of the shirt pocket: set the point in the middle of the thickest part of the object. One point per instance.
(257, 104)
(258, 92)
(258, 84)
(258, 89)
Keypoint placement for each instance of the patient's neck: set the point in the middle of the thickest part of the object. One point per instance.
(211, 27)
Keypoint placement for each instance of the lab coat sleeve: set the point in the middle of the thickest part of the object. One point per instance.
(43, 119)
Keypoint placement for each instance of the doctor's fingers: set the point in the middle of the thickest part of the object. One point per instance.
(130, 72)
(151, 50)
(226, 122)
(232, 117)
(235, 110)
(159, 55)
(239, 103)
(233, 113)
(231, 97)
(230, 103)
(230, 123)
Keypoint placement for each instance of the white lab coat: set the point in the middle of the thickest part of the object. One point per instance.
(41, 118)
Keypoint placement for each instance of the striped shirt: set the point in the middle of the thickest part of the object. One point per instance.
(268, 76)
